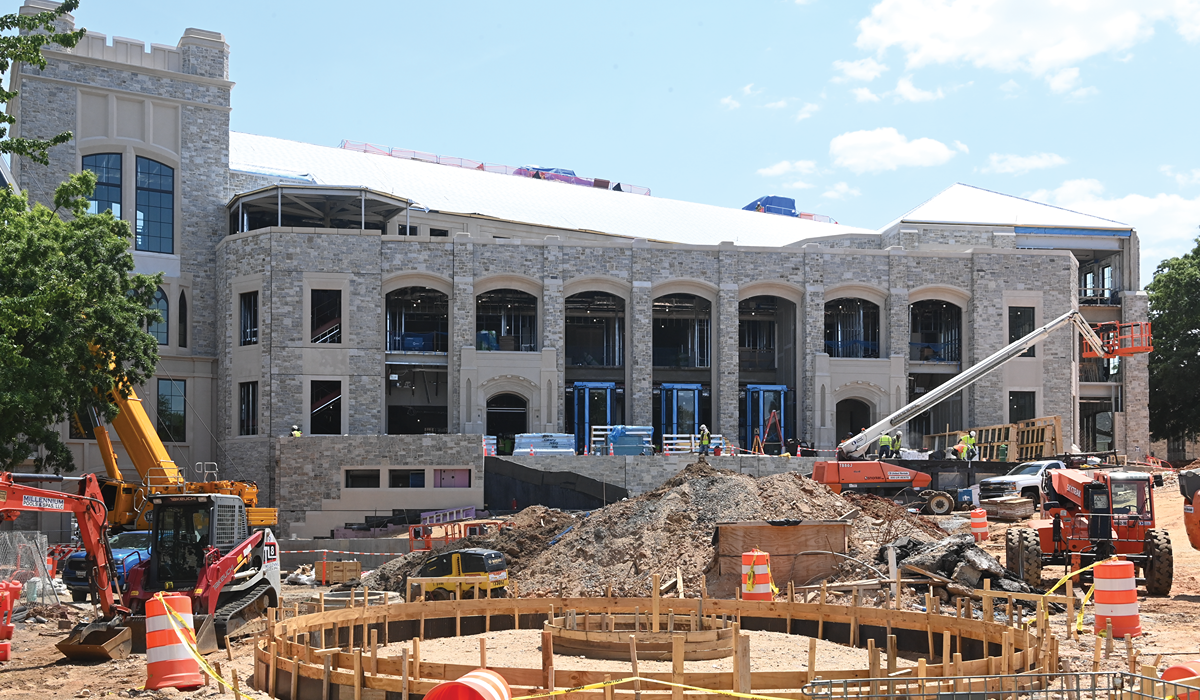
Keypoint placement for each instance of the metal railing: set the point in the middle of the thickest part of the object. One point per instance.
(1028, 686)
(1099, 296)
(935, 352)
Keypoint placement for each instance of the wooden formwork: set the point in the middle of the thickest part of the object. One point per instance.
(333, 654)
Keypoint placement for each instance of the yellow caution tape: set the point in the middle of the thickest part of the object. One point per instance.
(173, 618)
(1086, 598)
(595, 686)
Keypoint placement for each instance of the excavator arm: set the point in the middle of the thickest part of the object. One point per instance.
(103, 638)
(858, 445)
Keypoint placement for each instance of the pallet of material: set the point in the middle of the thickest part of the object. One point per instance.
(1008, 508)
(338, 571)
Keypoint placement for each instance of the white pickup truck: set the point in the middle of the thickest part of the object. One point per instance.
(1025, 480)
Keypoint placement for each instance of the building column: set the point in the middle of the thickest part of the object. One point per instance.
(812, 345)
(462, 330)
(899, 322)
(554, 329)
(727, 368)
(1135, 387)
(640, 315)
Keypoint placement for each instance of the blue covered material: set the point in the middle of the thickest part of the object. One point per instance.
(774, 204)
(630, 440)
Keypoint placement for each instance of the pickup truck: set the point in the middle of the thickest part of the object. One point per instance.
(1025, 480)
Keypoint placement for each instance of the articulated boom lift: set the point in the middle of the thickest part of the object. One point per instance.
(849, 472)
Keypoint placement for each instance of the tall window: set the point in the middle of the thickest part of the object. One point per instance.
(326, 316)
(851, 328)
(155, 226)
(107, 196)
(248, 408)
(181, 314)
(248, 302)
(159, 330)
(1020, 324)
(172, 407)
(1021, 405)
(325, 416)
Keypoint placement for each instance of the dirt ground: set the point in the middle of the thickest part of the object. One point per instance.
(1171, 627)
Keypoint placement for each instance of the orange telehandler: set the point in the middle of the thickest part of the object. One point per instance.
(105, 637)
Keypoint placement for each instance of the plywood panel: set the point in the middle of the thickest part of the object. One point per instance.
(784, 543)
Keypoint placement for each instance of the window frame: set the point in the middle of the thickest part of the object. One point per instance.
(163, 432)
(1014, 335)
(94, 204)
(312, 317)
(161, 330)
(1031, 394)
(342, 405)
(243, 328)
(248, 399)
(140, 214)
(360, 474)
(181, 320)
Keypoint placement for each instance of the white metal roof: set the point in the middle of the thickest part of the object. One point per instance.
(543, 203)
(967, 204)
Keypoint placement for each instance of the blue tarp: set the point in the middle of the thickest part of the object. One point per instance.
(773, 204)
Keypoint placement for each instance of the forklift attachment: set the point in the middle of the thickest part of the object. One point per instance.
(97, 641)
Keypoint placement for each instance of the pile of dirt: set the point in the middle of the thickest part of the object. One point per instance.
(532, 529)
(623, 544)
(881, 521)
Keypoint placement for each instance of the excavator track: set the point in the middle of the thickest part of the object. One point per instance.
(227, 618)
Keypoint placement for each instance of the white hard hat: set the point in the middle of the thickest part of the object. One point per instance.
(295, 427)
(972, 433)
(703, 426)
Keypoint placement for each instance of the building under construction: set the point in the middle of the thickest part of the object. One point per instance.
(397, 305)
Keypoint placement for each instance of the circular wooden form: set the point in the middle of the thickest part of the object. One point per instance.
(607, 636)
(298, 657)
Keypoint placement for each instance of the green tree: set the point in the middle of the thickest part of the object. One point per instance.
(66, 289)
(1175, 362)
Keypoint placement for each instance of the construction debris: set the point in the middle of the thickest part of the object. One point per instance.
(957, 559)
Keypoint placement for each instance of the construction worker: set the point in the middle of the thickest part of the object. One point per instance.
(296, 431)
(896, 444)
(705, 439)
(885, 446)
(969, 440)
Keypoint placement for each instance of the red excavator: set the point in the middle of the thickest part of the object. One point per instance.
(105, 637)
(1094, 515)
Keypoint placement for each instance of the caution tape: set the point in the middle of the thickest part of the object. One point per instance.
(173, 618)
(602, 684)
(342, 551)
(1086, 598)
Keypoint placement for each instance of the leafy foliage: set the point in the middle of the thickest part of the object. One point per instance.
(66, 289)
(1175, 362)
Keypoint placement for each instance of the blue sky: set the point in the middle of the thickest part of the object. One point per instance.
(860, 111)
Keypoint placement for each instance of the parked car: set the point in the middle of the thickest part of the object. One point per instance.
(1024, 480)
(128, 549)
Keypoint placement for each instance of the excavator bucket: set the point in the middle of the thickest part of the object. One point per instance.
(97, 641)
(206, 634)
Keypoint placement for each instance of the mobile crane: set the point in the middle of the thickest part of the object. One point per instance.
(849, 472)
(127, 500)
(105, 637)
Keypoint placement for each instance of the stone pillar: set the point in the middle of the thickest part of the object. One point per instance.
(204, 53)
(64, 24)
(554, 327)
(899, 322)
(639, 393)
(462, 327)
(727, 368)
(812, 345)
(1135, 372)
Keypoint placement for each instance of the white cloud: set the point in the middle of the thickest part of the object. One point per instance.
(798, 185)
(1166, 223)
(905, 90)
(730, 102)
(1010, 164)
(863, 94)
(1084, 92)
(1183, 179)
(1044, 39)
(1010, 87)
(866, 69)
(783, 167)
(962, 146)
(807, 111)
(885, 149)
(749, 90)
(777, 105)
(840, 191)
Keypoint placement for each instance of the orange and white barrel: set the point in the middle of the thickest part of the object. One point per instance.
(756, 576)
(169, 662)
(979, 524)
(480, 684)
(1116, 599)
(1186, 671)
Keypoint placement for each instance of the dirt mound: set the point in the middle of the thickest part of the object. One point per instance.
(882, 521)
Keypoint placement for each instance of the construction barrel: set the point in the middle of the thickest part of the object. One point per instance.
(979, 524)
(1116, 599)
(756, 576)
(169, 661)
(480, 684)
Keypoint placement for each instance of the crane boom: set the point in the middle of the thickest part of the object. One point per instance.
(857, 445)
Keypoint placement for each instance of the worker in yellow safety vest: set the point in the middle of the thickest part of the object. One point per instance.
(705, 439)
(885, 446)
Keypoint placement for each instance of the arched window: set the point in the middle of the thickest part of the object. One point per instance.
(159, 330)
(183, 320)
(155, 226)
(851, 328)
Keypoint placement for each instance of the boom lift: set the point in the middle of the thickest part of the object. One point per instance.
(203, 547)
(849, 473)
(106, 637)
(1094, 516)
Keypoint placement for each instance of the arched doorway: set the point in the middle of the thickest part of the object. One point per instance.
(507, 416)
(852, 416)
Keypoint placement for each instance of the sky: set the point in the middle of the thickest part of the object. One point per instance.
(860, 111)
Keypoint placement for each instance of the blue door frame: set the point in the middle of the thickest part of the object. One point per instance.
(761, 399)
(585, 417)
(675, 397)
